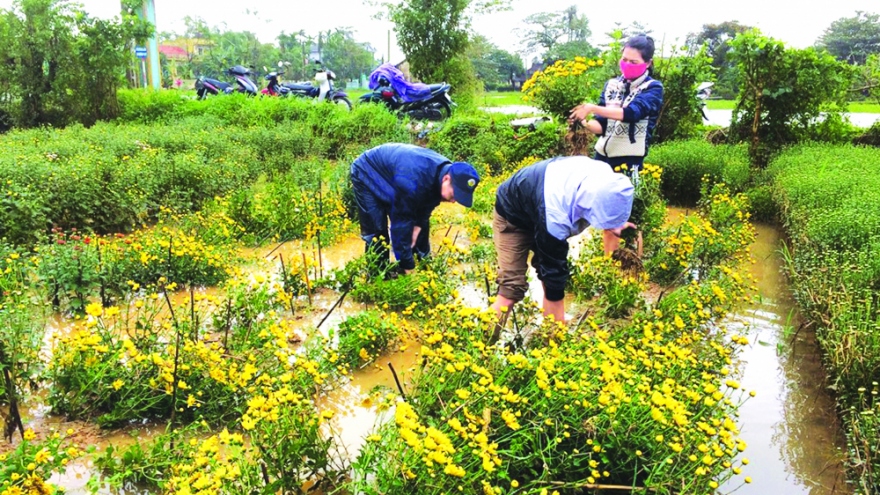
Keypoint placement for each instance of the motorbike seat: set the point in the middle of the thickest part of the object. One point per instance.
(217, 83)
(436, 87)
(298, 86)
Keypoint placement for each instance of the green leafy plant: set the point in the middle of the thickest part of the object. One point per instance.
(22, 326)
(28, 467)
(364, 336)
(782, 92)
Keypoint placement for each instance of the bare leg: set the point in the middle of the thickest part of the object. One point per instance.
(554, 309)
(502, 302)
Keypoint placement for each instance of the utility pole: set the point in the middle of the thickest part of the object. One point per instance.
(147, 12)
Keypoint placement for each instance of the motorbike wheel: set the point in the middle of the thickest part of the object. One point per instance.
(341, 100)
(445, 110)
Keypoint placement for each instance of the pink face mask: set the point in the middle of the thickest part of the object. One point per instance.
(632, 71)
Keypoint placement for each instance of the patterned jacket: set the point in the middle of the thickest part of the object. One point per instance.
(641, 100)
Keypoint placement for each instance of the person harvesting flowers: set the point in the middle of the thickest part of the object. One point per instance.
(404, 183)
(538, 208)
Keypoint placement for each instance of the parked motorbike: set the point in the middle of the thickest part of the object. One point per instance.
(416, 101)
(207, 86)
(704, 91)
(324, 90)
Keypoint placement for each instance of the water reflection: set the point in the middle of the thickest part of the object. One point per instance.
(790, 426)
(356, 415)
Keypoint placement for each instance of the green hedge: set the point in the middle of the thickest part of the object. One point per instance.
(112, 177)
(829, 198)
(489, 142)
(685, 163)
(177, 152)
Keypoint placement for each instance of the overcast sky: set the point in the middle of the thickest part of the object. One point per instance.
(798, 24)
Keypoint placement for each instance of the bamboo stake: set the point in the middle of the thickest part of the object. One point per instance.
(308, 282)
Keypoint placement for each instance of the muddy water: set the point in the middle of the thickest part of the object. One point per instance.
(794, 440)
(790, 426)
(793, 436)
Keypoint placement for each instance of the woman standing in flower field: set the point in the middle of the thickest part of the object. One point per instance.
(628, 108)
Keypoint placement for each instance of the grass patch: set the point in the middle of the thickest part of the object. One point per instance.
(720, 104)
(864, 107)
(500, 98)
(829, 202)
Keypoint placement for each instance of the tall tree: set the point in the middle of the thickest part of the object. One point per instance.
(853, 39)
(717, 38)
(344, 55)
(571, 49)
(434, 36)
(294, 51)
(621, 32)
(37, 47)
(867, 78)
(783, 91)
(548, 30)
(61, 64)
(494, 67)
(577, 27)
(431, 33)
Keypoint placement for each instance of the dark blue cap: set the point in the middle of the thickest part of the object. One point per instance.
(464, 181)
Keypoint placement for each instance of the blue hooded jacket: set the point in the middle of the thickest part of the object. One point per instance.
(406, 180)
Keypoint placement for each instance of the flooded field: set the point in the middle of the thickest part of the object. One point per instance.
(790, 425)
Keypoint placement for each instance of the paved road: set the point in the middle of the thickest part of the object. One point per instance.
(722, 118)
(716, 117)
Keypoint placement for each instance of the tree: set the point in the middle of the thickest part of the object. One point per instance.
(621, 32)
(783, 93)
(853, 39)
(345, 56)
(680, 73)
(38, 41)
(63, 65)
(571, 49)
(549, 30)
(577, 27)
(868, 78)
(294, 49)
(717, 38)
(434, 36)
(101, 50)
(431, 33)
(493, 66)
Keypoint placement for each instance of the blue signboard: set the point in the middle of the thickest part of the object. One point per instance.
(140, 52)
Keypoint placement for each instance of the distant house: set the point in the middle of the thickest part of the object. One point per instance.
(185, 48)
(172, 52)
(519, 79)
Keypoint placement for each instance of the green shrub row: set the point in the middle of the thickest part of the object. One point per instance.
(174, 152)
(111, 178)
(829, 199)
(489, 142)
(685, 163)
